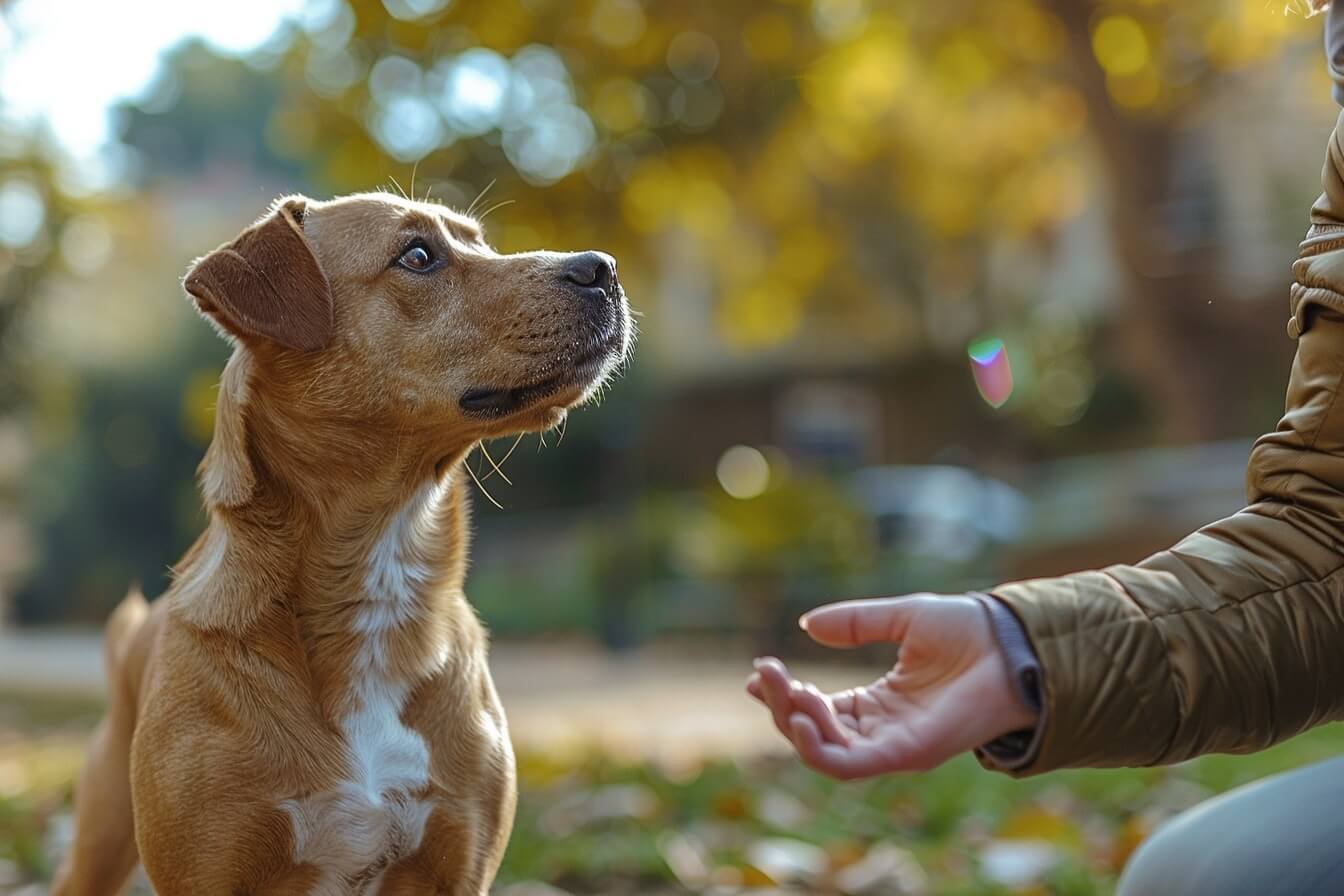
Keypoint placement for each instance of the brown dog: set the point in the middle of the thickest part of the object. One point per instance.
(309, 709)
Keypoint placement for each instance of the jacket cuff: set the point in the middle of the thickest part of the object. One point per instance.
(1019, 748)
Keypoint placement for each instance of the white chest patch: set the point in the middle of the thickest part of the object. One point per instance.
(374, 817)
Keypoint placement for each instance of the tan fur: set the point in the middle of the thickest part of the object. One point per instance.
(319, 621)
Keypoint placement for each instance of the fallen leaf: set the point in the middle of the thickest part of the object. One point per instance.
(581, 810)
(686, 857)
(788, 861)
(1018, 863)
(886, 870)
(1040, 823)
(782, 810)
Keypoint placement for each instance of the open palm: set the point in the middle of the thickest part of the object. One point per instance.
(949, 692)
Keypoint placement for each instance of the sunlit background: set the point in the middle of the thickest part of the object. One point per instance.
(934, 295)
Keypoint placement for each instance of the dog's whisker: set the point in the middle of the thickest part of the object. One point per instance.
(414, 168)
(494, 465)
(398, 186)
(494, 208)
(508, 454)
(480, 196)
(489, 497)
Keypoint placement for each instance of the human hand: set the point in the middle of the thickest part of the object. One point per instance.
(950, 690)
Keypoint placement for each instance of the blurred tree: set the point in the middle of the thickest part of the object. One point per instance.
(1145, 72)
(114, 501)
(206, 110)
(34, 214)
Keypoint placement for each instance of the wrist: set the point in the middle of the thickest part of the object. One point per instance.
(1016, 715)
(1020, 664)
(1017, 737)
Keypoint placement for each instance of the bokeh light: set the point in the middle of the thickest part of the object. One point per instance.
(743, 472)
(618, 23)
(1120, 45)
(410, 10)
(86, 245)
(839, 19)
(22, 212)
(407, 127)
(693, 56)
(331, 73)
(992, 372)
(527, 102)
(475, 89)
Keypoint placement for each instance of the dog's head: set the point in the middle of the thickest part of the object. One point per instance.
(372, 314)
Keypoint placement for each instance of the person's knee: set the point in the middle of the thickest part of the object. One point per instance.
(1276, 837)
(1161, 863)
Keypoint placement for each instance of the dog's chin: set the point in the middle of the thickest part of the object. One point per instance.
(542, 403)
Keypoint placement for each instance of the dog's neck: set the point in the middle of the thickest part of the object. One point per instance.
(349, 536)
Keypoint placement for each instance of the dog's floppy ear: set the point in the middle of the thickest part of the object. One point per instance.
(266, 283)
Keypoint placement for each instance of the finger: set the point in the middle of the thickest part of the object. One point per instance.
(846, 763)
(844, 702)
(853, 623)
(775, 687)
(810, 701)
(754, 686)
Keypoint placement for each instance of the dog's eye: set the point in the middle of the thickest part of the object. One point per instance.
(417, 258)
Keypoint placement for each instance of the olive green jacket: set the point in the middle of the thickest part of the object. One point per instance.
(1233, 639)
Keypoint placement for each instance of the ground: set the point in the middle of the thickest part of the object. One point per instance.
(650, 774)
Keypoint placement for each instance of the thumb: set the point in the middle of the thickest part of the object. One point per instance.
(852, 623)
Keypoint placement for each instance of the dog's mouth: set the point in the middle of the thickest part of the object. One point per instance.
(578, 374)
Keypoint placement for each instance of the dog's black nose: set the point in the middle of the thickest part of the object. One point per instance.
(591, 270)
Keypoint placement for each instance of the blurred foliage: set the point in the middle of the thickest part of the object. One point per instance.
(677, 563)
(129, 463)
(35, 213)
(594, 826)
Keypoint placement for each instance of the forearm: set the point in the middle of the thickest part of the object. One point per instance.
(1229, 641)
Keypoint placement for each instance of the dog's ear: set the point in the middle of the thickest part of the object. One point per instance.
(267, 284)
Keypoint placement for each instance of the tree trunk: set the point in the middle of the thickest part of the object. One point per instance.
(1172, 323)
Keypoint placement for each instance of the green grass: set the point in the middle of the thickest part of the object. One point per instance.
(598, 826)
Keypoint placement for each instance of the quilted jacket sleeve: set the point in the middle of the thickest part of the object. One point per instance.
(1233, 639)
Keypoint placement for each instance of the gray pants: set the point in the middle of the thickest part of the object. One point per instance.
(1283, 836)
